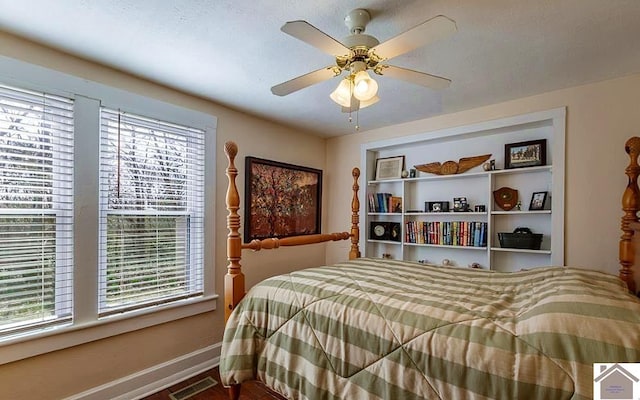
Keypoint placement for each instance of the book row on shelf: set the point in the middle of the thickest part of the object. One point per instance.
(384, 203)
(449, 233)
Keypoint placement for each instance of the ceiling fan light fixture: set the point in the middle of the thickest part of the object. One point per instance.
(364, 87)
(342, 94)
(367, 103)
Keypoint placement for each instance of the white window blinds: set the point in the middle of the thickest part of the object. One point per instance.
(36, 210)
(151, 212)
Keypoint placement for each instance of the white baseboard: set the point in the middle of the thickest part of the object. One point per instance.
(151, 380)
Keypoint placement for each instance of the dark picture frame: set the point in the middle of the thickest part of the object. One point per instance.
(436, 206)
(389, 168)
(281, 199)
(532, 153)
(538, 201)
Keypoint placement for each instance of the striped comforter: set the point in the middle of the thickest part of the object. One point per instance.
(383, 329)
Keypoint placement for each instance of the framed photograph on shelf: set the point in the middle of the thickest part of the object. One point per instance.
(525, 154)
(436, 206)
(281, 199)
(538, 201)
(389, 168)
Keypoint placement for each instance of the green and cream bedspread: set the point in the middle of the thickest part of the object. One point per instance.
(384, 329)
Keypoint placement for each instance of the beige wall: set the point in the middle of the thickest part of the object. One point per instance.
(62, 373)
(600, 118)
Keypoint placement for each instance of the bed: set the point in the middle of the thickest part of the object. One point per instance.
(390, 329)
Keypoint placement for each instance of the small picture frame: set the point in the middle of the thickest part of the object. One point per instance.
(389, 168)
(532, 153)
(460, 204)
(538, 201)
(436, 206)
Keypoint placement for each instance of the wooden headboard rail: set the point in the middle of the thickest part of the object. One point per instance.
(630, 225)
(234, 287)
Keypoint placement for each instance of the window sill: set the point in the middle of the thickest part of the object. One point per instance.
(33, 344)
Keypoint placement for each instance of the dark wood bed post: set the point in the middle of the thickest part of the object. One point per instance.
(355, 216)
(630, 200)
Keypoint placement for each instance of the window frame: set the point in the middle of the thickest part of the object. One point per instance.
(88, 96)
(60, 140)
(193, 212)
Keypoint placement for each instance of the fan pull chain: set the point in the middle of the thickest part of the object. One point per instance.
(357, 120)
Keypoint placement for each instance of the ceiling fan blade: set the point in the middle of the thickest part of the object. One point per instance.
(303, 81)
(427, 32)
(415, 77)
(309, 34)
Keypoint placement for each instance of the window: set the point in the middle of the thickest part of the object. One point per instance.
(151, 212)
(99, 238)
(36, 210)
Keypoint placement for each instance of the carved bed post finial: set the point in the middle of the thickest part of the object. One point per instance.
(234, 279)
(630, 201)
(355, 218)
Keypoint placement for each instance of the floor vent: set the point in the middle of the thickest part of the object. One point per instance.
(193, 389)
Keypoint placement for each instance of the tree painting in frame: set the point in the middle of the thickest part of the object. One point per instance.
(281, 199)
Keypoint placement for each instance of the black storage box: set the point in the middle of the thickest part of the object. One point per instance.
(520, 238)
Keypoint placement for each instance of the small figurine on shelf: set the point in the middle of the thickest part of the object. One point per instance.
(446, 262)
(386, 256)
(489, 165)
(519, 206)
(475, 265)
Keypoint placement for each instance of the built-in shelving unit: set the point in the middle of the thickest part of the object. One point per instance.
(477, 185)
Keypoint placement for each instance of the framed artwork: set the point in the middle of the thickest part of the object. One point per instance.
(281, 199)
(538, 200)
(436, 206)
(525, 154)
(389, 168)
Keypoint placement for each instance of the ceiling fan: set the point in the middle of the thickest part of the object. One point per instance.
(358, 53)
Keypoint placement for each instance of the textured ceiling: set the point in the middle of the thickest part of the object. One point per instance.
(232, 51)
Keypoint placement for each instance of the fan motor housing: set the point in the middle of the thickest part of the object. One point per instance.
(360, 40)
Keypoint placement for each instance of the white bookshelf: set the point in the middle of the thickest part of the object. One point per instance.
(477, 185)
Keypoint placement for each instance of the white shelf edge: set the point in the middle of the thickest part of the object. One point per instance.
(521, 212)
(445, 213)
(511, 250)
(382, 213)
(541, 168)
(383, 241)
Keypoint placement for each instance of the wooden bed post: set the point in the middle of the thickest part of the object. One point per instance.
(355, 217)
(630, 200)
(234, 279)
(234, 285)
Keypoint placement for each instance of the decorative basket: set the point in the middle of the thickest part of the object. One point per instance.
(520, 238)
